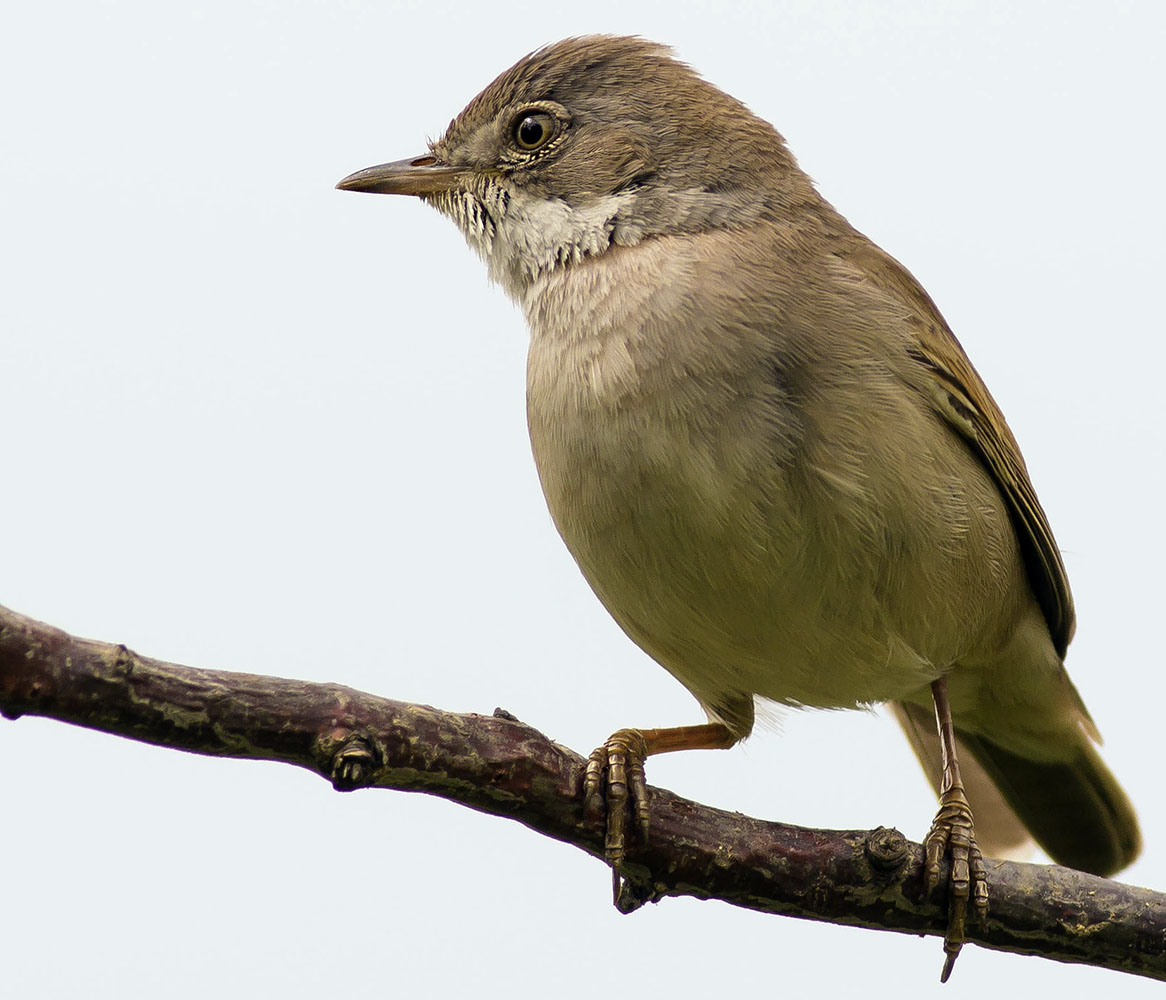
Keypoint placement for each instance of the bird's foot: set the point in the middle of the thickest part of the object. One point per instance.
(953, 833)
(621, 759)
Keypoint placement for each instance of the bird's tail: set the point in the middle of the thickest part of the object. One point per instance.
(1076, 811)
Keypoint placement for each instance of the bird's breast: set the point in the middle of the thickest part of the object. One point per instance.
(639, 418)
(672, 462)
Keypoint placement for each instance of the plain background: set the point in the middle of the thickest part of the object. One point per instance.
(254, 423)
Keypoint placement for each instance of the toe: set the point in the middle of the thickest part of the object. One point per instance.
(613, 776)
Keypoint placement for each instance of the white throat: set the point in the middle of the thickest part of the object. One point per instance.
(523, 237)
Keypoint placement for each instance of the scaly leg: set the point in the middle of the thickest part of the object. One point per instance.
(952, 832)
(622, 757)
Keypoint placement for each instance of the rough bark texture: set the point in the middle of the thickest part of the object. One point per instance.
(866, 878)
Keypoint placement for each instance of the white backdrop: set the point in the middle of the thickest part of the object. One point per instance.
(255, 423)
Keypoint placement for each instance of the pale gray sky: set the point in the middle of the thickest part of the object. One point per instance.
(254, 423)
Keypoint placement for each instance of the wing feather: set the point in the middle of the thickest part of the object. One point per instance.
(964, 401)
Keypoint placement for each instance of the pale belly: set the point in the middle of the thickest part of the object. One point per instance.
(717, 559)
(731, 616)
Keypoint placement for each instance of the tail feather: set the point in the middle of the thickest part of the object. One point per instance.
(1076, 811)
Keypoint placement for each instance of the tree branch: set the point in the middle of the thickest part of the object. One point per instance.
(501, 766)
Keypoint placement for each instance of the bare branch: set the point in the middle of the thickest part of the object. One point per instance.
(498, 765)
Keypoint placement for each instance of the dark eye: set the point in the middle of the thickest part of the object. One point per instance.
(534, 130)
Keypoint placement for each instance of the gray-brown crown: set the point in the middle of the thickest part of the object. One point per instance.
(635, 116)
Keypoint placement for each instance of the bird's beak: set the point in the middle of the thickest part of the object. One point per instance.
(417, 175)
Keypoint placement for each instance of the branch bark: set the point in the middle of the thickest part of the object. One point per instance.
(498, 765)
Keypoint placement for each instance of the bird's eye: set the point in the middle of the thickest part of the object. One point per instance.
(534, 130)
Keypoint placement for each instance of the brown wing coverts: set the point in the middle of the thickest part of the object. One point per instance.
(965, 402)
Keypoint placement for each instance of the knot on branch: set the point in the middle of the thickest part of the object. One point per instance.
(887, 850)
(124, 660)
(354, 763)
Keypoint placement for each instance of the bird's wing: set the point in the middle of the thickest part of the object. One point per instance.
(965, 403)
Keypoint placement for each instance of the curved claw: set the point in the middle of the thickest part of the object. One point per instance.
(952, 833)
(621, 759)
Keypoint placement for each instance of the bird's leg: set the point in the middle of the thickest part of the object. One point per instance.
(952, 832)
(622, 758)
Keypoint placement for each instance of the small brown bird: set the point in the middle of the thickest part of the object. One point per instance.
(767, 451)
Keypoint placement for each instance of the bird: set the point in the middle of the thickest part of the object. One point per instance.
(769, 454)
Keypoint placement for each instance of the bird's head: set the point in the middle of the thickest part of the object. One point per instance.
(593, 142)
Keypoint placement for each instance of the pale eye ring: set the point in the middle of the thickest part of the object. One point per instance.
(533, 130)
